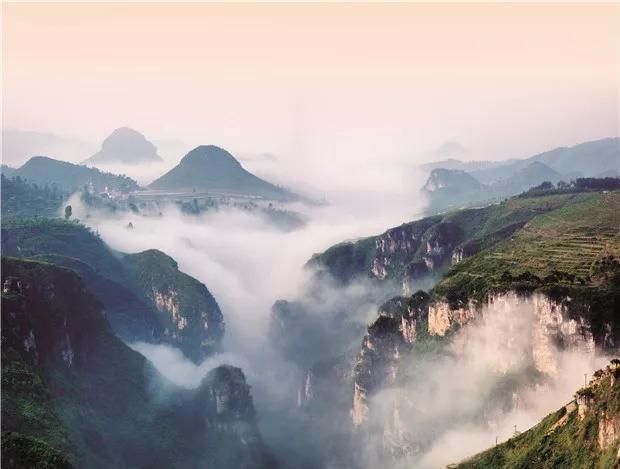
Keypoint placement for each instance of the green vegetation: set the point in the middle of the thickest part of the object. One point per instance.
(145, 296)
(23, 200)
(34, 237)
(406, 250)
(70, 386)
(186, 310)
(346, 261)
(564, 439)
(579, 185)
(70, 177)
(20, 451)
(575, 244)
(213, 169)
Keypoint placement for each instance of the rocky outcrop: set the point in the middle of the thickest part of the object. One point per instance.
(402, 321)
(442, 318)
(552, 324)
(145, 296)
(61, 361)
(389, 337)
(188, 314)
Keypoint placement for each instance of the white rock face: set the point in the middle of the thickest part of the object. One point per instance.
(441, 318)
(168, 303)
(359, 412)
(379, 267)
(510, 333)
(550, 325)
(608, 431)
(457, 256)
(408, 328)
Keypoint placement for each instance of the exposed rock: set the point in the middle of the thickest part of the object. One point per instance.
(189, 314)
(442, 318)
(552, 325)
(608, 430)
(61, 362)
(388, 337)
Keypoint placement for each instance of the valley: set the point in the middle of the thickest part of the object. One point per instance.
(310, 235)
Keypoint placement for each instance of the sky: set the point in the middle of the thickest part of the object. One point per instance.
(317, 82)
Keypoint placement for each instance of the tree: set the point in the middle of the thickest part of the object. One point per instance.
(544, 186)
(68, 212)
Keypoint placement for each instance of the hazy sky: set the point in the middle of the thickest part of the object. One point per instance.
(356, 80)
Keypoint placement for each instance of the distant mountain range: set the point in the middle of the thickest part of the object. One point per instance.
(461, 183)
(125, 146)
(207, 168)
(213, 169)
(70, 177)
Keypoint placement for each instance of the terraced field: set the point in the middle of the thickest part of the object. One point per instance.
(578, 242)
(570, 239)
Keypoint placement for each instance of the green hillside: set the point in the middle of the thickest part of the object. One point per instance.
(71, 177)
(213, 169)
(582, 434)
(575, 244)
(145, 296)
(20, 199)
(426, 247)
(72, 390)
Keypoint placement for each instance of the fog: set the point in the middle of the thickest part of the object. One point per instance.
(248, 264)
(500, 373)
(442, 408)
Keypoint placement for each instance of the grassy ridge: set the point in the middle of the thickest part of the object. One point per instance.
(575, 244)
(564, 439)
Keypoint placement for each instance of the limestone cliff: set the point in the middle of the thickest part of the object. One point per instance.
(188, 313)
(533, 331)
(61, 362)
(144, 295)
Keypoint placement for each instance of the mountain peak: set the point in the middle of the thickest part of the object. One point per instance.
(209, 155)
(213, 169)
(127, 146)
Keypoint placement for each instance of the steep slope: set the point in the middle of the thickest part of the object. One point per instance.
(187, 311)
(70, 177)
(457, 180)
(454, 188)
(575, 244)
(213, 169)
(533, 278)
(146, 298)
(448, 187)
(69, 384)
(126, 146)
(418, 252)
(584, 433)
(555, 281)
